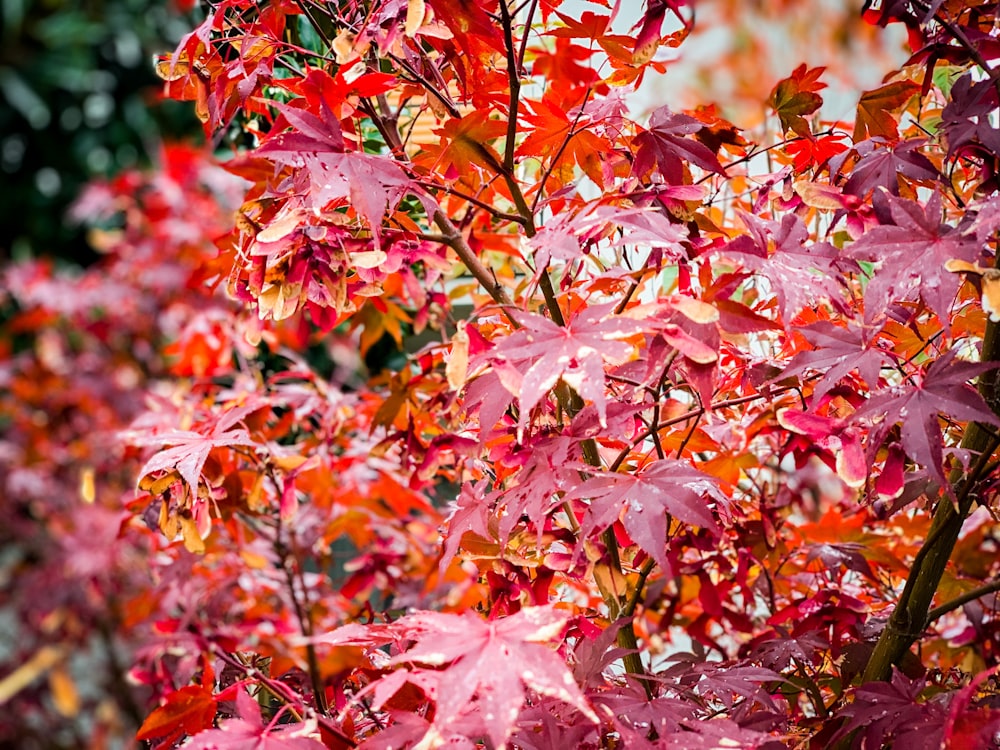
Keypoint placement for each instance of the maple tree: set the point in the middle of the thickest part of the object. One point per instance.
(694, 442)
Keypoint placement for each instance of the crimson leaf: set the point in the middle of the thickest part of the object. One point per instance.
(911, 256)
(664, 147)
(247, 729)
(642, 501)
(943, 390)
(882, 165)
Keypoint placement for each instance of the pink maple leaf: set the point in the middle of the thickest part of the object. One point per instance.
(943, 390)
(801, 272)
(493, 661)
(643, 499)
(911, 256)
(191, 449)
(838, 352)
(839, 436)
(544, 353)
(248, 730)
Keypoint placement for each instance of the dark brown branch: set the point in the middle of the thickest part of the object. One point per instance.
(514, 79)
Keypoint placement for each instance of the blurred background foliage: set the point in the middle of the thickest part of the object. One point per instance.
(77, 90)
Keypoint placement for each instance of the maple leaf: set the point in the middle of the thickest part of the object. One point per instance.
(874, 108)
(794, 97)
(544, 353)
(186, 711)
(470, 513)
(494, 661)
(911, 256)
(247, 730)
(839, 436)
(709, 735)
(883, 165)
(801, 273)
(642, 501)
(310, 133)
(970, 723)
(632, 709)
(966, 118)
(190, 451)
(371, 183)
(647, 41)
(466, 141)
(470, 23)
(891, 713)
(664, 147)
(538, 481)
(568, 140)
(944, 389)
(568, 236)
(838, 352)
(809, 153)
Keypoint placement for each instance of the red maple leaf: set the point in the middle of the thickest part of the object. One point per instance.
(944, 389)
(642, 501)
(186, 711)
(839, 436)
(911, 256)
(544, 353)
(247, 730)
(801, 272)
(838, 352)
(190, 451)
(794, 97)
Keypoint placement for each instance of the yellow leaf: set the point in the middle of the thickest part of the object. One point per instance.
(43, 660)
(415, 12)
(192, 539)
(255, 502)
(282, 225)
(289, 463)
(87, 490)
(368, 259)
(694, 309)
(63, 690)
(253, 560)
(458, 363)
(169, 524)
(158, 486)
(989, 281)
(343, 46)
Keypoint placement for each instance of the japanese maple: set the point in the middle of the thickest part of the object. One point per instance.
(693, 443)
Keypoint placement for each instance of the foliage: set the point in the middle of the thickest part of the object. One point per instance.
(76, 89)
(700, 468)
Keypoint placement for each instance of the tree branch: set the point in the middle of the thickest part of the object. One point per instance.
(959, 601)
(514, 78)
